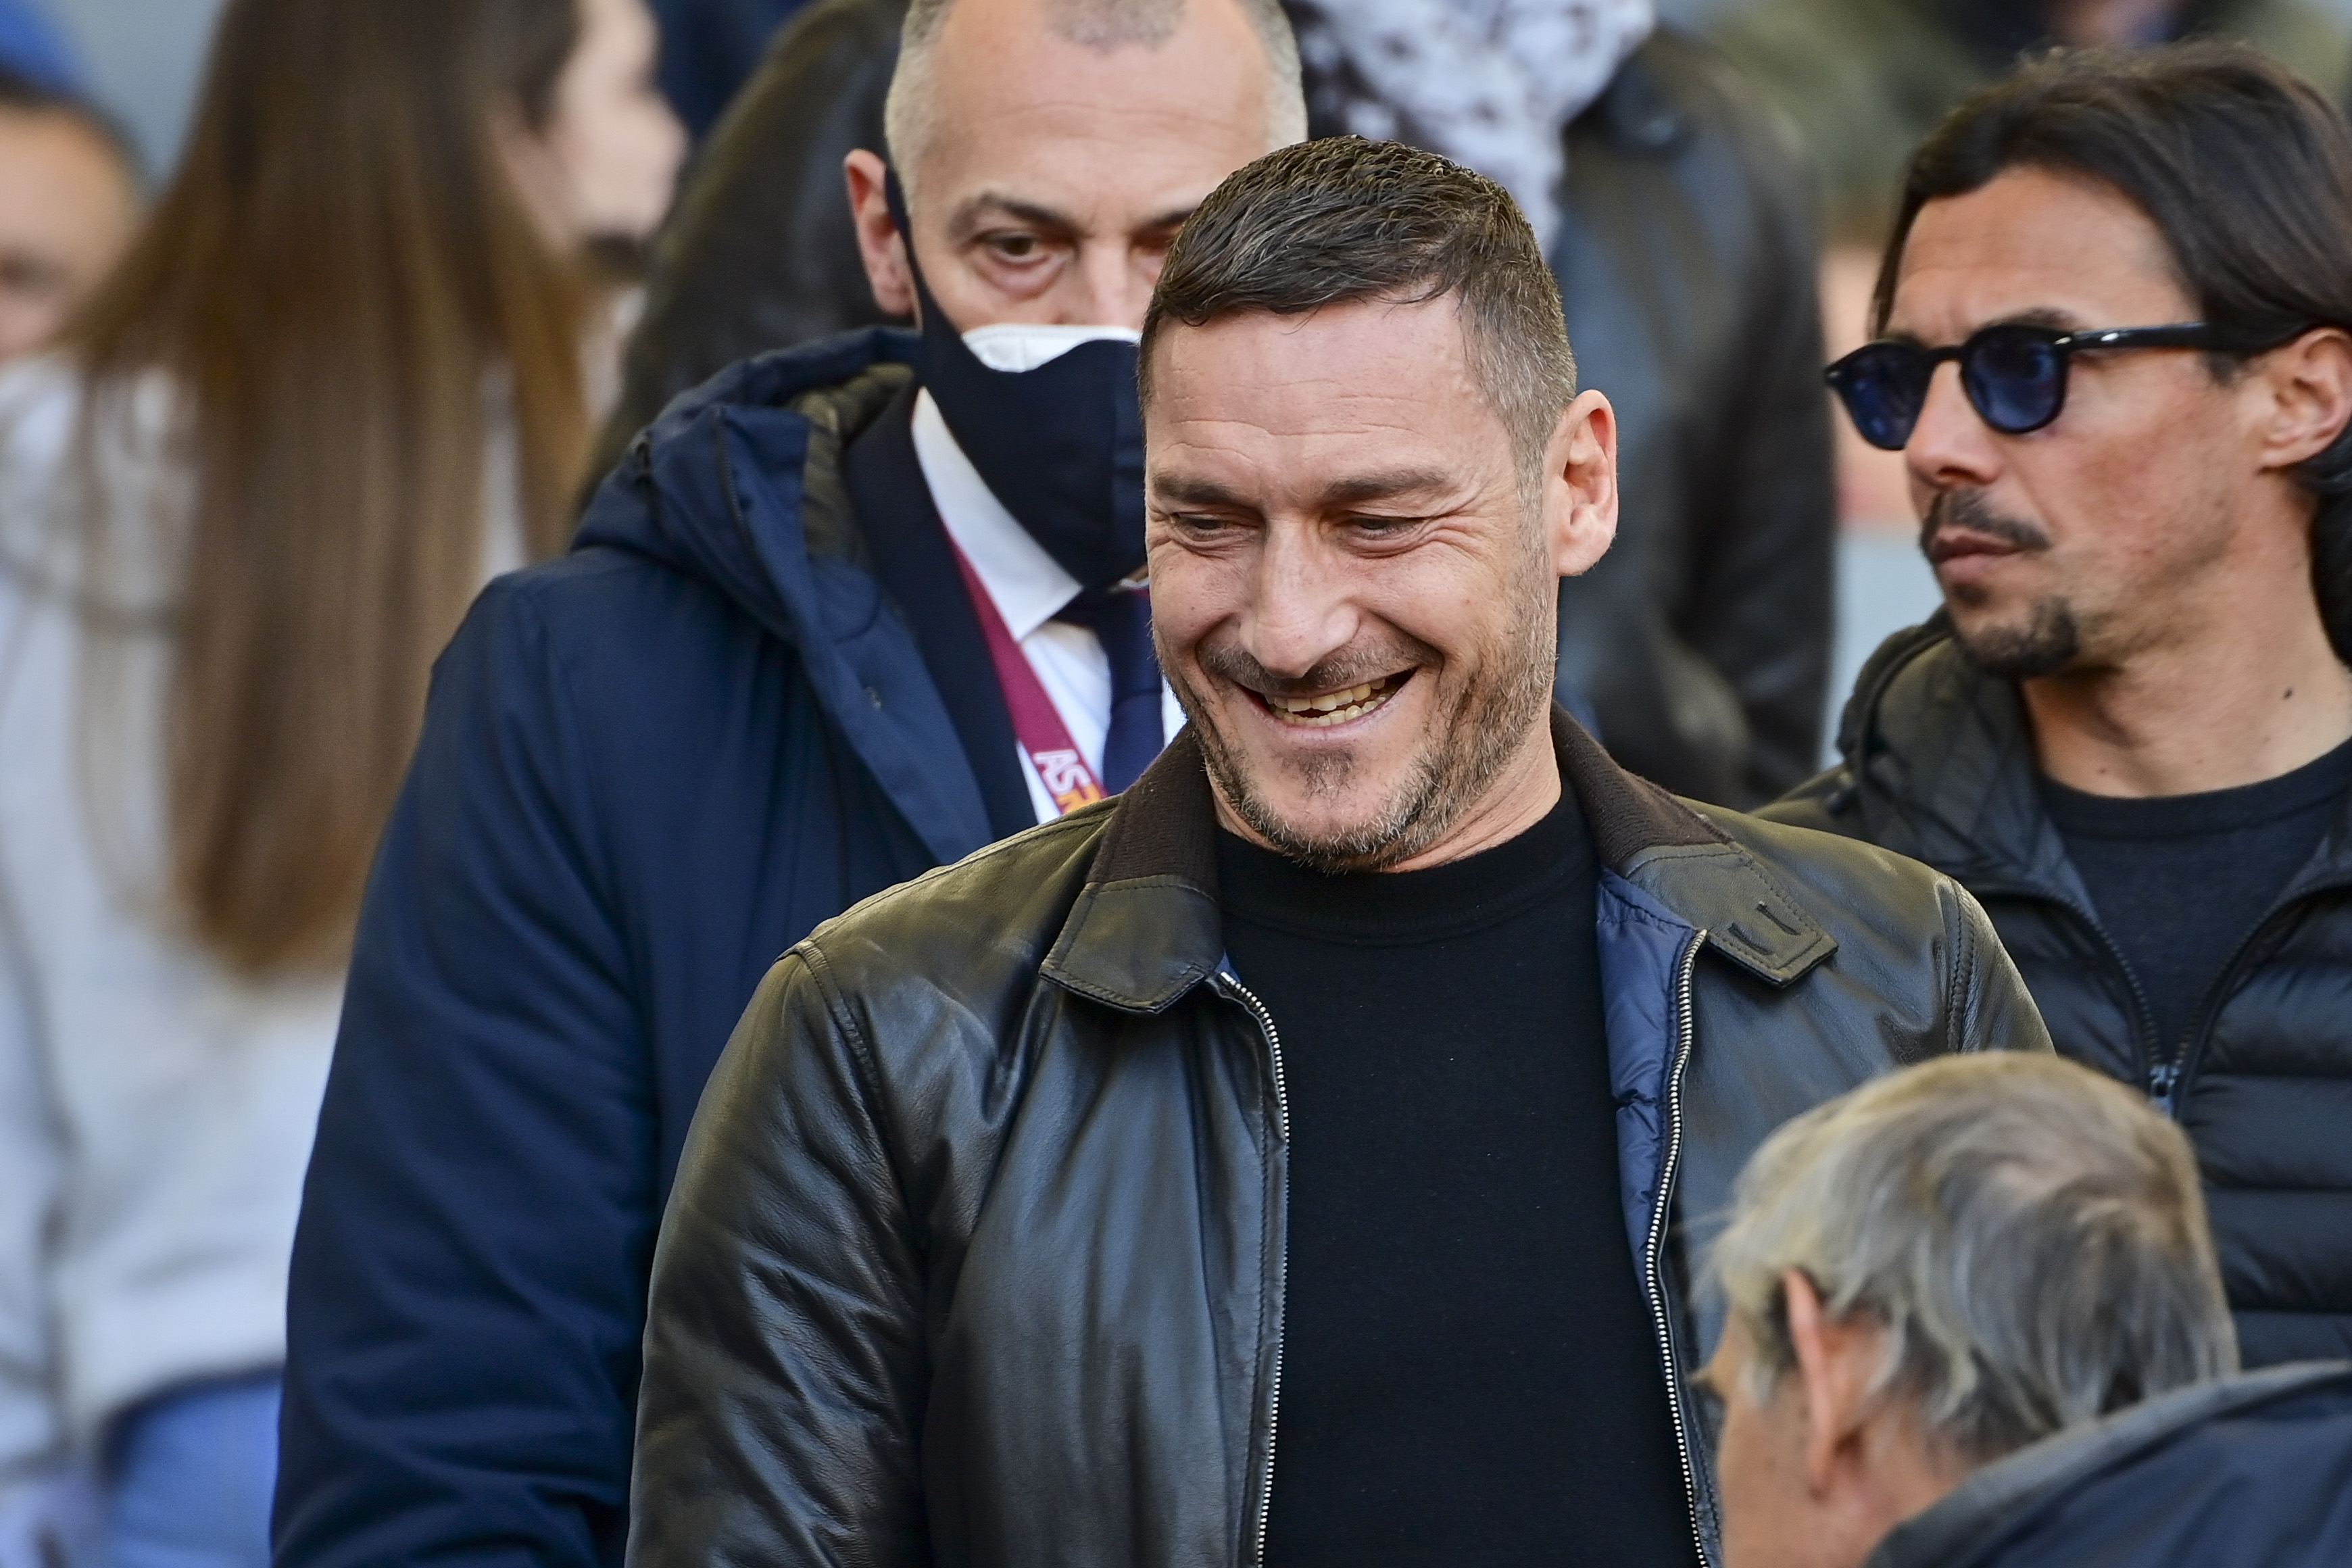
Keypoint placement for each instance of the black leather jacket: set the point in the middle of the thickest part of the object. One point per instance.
(976, 1254)
(1686, 260)
(1939, 764)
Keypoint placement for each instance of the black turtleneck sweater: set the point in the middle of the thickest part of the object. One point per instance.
(1469, 1373)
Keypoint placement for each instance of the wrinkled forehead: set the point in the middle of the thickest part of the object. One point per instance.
(2032, 244)
(1303, 408)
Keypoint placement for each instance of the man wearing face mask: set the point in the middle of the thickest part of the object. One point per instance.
(844, 613)
(1673, 212)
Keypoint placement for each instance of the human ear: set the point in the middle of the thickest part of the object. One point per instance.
(2310, 386)
(879, 244)
(1836, 1365)
(1579, 484)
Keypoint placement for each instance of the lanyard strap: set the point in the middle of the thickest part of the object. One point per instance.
(1044, 740)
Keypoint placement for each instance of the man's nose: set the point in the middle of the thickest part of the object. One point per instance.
(1951, 445)
(1300, 612)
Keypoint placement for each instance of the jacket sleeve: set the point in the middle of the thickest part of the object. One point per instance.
(784, 1349)
(466, 1295)
(1758, 607)
(1988, 1005)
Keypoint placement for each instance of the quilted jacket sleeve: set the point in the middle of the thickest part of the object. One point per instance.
(785, 1344)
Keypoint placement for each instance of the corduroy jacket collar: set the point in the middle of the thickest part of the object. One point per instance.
(1146, 927)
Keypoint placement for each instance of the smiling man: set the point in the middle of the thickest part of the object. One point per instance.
(2129, 734)
(1294, 1158)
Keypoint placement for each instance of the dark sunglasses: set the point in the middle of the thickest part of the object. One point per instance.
(2014, 375)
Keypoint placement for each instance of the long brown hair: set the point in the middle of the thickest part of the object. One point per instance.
(338, 277)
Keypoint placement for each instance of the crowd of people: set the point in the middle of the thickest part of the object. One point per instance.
(1164, 555)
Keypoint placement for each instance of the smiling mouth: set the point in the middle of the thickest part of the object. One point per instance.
(1334, 707)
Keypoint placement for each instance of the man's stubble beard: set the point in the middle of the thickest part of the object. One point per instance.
(2049, 640)
(1477, 734)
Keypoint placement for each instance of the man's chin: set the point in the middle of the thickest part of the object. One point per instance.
(1325, 811)
(2046, 639)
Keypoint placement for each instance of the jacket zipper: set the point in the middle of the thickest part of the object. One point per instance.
(2175, 1072)
(2161, 1074)
(1282, 1268)
(1655, 1248)
(2168, 1073)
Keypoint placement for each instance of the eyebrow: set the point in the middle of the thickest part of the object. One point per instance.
(1190, 489)
(2048, 316)
(1361, 487)
(978, 209)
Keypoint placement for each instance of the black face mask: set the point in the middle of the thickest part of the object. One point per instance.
(1060, 446)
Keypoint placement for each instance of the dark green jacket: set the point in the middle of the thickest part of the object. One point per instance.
(1865, 80)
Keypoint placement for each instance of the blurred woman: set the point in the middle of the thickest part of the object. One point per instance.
(342, 376)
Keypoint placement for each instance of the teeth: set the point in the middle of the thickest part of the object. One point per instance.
(1333, 706)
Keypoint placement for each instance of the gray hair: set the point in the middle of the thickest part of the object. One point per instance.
(1343, 219)
(2030, 1234)
(1098, 25)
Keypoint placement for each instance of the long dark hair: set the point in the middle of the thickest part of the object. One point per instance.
(334, 280)
(2245, 170)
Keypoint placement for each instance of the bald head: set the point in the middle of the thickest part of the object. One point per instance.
(923, 95)
(1050, 148)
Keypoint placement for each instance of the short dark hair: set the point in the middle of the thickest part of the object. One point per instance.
(1343, 219)
(20, 94)
(2243, 168)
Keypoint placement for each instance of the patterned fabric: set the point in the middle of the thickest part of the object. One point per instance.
(1488, 83)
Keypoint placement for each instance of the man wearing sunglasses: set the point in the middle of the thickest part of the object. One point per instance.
(2112, 348)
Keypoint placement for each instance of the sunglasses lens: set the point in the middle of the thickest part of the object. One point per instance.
(1883, 385)
(2015, 377)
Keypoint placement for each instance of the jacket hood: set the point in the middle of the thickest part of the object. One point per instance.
(2248, 1472)
(740, 485)
(738, 482)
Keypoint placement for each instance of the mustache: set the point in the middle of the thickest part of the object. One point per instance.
(1348, 666)
(1970, 509)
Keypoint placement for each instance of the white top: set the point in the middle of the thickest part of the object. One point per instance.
(156, 1110)
(1027, 585)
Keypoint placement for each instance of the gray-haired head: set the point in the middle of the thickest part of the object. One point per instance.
(2030, 1236)
(1101, 24)
(1343, 219)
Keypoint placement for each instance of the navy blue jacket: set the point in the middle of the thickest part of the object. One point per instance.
(708, 48)
(646, 769)
(2249, 1472)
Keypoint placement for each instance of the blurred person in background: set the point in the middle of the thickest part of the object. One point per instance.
(2130, 731)
(69, 201)
(1675, 215)
(846, 613)
(708, 48)
(1864, 82)
(1974, 1321)
(336, 383)
(33, 49)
